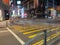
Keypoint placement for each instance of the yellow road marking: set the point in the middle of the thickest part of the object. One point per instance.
(55, 29)
(42, 33)
(39, 42)
(33, 31)
(53, 36)
(24, 28)
(17, 27)
(48, 39)
(32, 36)
(20, 28)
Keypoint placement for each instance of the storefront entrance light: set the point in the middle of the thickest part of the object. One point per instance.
(18, 2)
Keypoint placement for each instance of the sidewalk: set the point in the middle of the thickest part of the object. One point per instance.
(3, 24)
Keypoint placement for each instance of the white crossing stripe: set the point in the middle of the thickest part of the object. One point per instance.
(18, 38)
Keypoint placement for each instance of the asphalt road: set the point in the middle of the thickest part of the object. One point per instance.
(32, 33)
(36, 22)
(29, 32)
(6, 38)
(57, 42)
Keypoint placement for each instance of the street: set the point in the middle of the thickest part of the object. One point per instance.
(29, 22)
(57, 42)
(6, 38)
(34, 30)
(27, 33)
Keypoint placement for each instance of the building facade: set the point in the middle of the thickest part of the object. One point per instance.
(15, 8)
(38, 7)
(3, 9)
(34, 7)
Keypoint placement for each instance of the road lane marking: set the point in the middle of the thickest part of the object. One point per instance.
(39, 42)
(34, 31)
(18, 38)
(3, 31)
(48, 39)
(54, 41)
(24, 29)
(27, 30)
(55, 29)
(32, 36)
(21, 29)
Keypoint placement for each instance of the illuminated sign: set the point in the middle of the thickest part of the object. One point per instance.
(18, 2)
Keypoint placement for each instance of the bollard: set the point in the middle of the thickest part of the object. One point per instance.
(45, 37)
